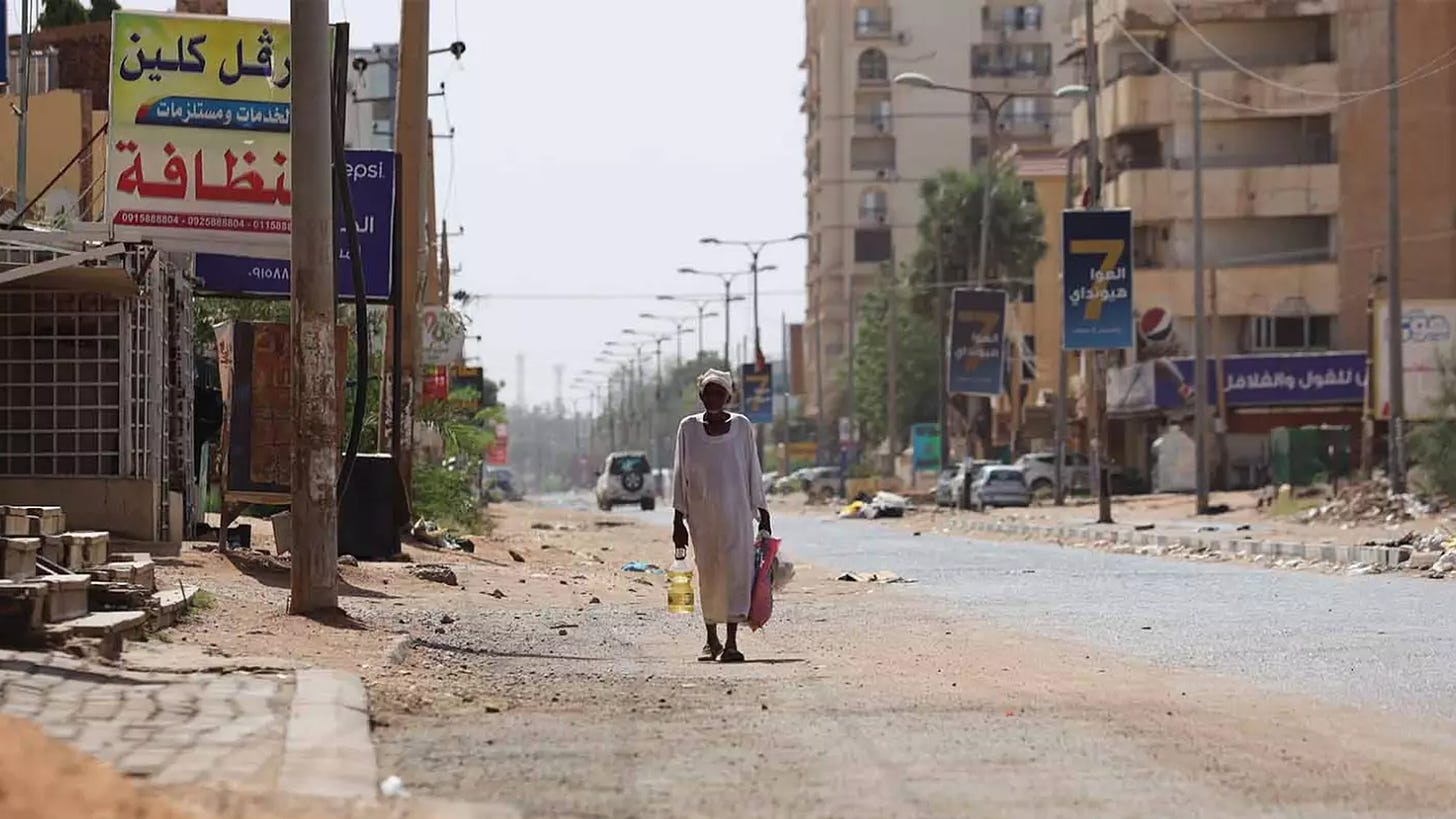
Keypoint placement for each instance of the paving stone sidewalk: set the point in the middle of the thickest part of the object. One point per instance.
(243, 729)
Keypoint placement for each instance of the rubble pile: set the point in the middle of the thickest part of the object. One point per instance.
(1370, 502)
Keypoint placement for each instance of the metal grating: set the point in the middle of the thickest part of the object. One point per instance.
(62, 362)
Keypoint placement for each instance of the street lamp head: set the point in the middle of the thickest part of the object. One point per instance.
(914, 80)
(710, 240)
(799, 237)
(686, 270)
(766, 268)
(1072, 92)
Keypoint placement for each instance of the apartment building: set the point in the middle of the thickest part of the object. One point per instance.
(870, 143)
(1294, 182)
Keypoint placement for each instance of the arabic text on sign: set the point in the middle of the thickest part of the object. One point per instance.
(1078, 295)
(247, 187)
(189, 59)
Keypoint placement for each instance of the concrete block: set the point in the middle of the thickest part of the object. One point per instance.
(17, 557)
(52, 549)
(282, 532)
(52, 518)
(27, 600)
(66, 597)
(84, 550)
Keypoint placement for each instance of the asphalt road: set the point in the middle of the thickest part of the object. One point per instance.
(1371, 641)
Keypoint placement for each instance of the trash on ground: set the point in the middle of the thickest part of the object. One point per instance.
(643, 566)
(430, 534)
(393, 787)
(435, 573)
(1370, 502)
(874, 577)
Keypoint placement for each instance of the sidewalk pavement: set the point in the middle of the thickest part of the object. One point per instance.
(304, 732)
(1226, 539)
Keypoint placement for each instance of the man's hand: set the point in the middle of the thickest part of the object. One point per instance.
(679, 535)
(764, 525)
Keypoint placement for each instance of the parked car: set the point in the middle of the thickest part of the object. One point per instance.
(500, 479)
(944, 490)
(626, 479)
(965, 476)
(1040, 469)
(1000, 486)
(823, 482)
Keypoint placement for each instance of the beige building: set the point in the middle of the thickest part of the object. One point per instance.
(1271, 174)
(870, 143)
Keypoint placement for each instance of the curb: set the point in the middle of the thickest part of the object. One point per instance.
(1385, 557)
(328, 751)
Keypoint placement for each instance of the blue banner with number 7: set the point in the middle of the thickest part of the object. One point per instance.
(1097, 306)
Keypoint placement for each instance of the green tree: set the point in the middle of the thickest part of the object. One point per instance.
(58, 13)
(103, 9)
(916, 365)
(950, 228)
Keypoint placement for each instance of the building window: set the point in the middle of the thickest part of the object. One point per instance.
(1290, 333)
(1008, 60)
(872, 154)
(873, 245)
(874, 67)
(874, 206)
(871, 22)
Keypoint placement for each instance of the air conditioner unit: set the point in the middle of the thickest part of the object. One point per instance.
(882, 174)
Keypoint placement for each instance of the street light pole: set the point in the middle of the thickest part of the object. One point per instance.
(1395, 321)
(755, 249)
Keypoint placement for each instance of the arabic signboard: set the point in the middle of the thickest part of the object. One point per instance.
(1097, 309)
(1426, 326)
(371, 187)
(1296, 379)
(255, 367)
(977, 358)
(758, 405)
(499, 453)
(199, 138)
(443, 341)
(925, 446)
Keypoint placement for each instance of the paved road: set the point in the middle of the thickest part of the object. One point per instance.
(1363, 640)
(1382, 641)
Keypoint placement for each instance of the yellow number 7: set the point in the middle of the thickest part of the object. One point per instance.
(1111, 252)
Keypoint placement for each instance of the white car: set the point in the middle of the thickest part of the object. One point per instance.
(626, 479)
(1040, 469)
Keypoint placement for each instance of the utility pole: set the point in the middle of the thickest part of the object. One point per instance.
(822, 432)
(315, 511)
(1395, 325)
(1063, 380)
(22, 130)
(941, 342)
(411, 141)
(788, 384)
(892, 398)
(1200, 347)
(1098, 420)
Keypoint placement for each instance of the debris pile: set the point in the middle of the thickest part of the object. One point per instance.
(430, 534)
(1369, 502)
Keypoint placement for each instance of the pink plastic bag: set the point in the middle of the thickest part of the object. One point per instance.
(760, 608)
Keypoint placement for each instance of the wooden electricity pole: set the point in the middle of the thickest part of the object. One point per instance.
(411, 137)
(315, 394)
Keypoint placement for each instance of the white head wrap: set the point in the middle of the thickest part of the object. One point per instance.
(722, 379)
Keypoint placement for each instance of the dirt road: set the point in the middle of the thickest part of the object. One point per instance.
(575, 694)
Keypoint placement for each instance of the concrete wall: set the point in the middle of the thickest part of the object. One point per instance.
(126, 507)
(59, 122)
(1427, 163)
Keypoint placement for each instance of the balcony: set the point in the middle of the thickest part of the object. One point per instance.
(1248, 291)
(872, 124)
(1137, 101)
(873, 24)
(1163, 194)
(1154, 14)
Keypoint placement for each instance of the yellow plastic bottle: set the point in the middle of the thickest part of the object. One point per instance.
(680, 586)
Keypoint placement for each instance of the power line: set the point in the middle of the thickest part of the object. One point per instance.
(1243, 69)
(1243, 106)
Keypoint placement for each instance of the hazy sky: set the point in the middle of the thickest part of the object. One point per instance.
(595, 144)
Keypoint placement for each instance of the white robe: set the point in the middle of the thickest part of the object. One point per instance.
(718, 487)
